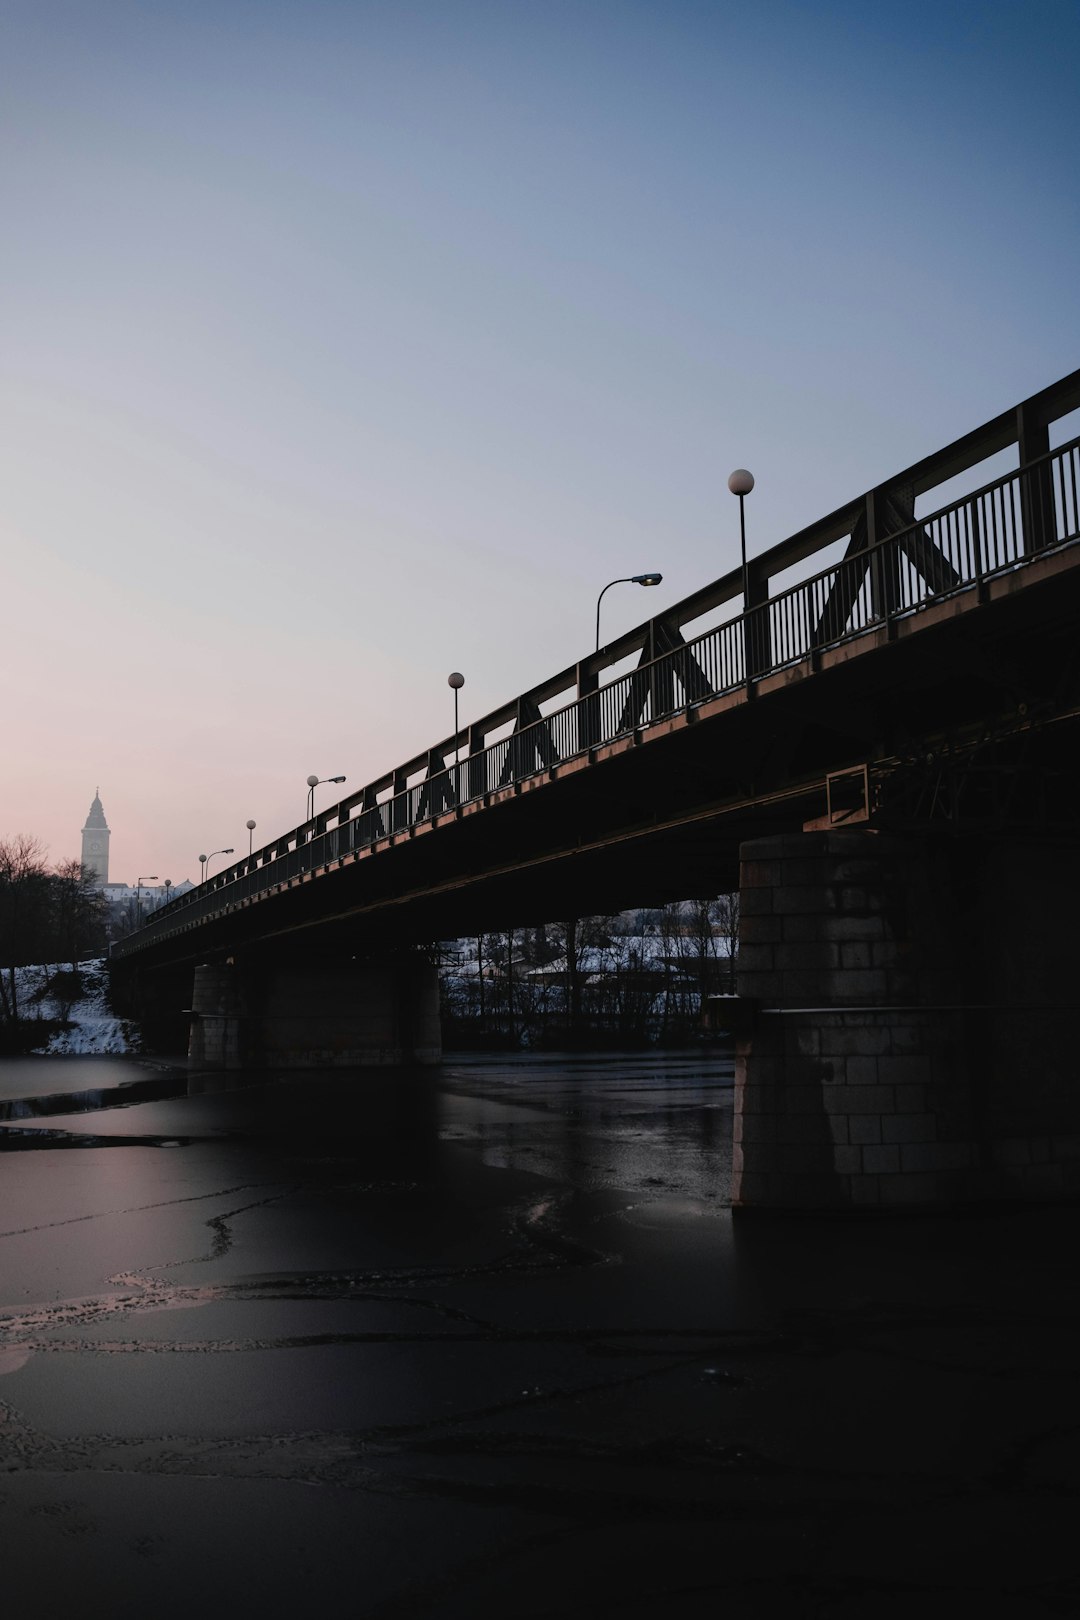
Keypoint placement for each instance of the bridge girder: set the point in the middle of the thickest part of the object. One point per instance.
(660, 813)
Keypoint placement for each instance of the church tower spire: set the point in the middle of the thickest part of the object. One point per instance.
(95, 842)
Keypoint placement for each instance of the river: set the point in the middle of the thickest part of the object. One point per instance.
(487, 1340)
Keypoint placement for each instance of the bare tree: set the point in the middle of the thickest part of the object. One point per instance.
(24, 907)
(79, 910)
(571, 942)
(604, 978)
(667, 927)
(509, 969)
(480, 944)
(47, 915)
(727, 929)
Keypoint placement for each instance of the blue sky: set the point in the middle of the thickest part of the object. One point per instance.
(345, 344)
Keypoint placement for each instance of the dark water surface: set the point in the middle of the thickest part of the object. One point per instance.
(487, 1340)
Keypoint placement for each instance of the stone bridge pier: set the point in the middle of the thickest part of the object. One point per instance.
(314, 1014)
(913, 1039)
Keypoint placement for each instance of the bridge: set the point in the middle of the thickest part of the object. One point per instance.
(879, 754)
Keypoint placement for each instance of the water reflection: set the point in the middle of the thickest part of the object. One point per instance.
(635, 1121)
(638, 1121)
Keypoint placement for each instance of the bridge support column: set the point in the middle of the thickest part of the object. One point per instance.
(315, 1015)
(216, 1018)
(915, 1037)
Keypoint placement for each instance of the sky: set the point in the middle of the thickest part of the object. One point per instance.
(343, 345)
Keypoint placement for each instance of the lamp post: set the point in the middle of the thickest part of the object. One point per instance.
(250, 829)
(456, 680)
(167, 885)
(313, 782)
(741, 483)
(206, 859)
(138, 897)
(630, 579)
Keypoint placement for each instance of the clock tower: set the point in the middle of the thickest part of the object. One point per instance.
(95, 842)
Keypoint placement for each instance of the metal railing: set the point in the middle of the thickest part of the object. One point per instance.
(1005, 525)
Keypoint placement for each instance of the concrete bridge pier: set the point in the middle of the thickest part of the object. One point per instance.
(914, 1037)
(315, 1014)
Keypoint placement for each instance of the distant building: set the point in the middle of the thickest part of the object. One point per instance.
(129, 903)
(148, 896)
(95, 842)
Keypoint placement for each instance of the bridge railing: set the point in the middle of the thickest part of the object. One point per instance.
(1001, 526)
(1004, 525)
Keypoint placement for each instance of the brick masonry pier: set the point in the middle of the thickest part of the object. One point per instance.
(915, 1026)
(315, 1014)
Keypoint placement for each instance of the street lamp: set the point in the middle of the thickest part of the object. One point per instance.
(167, 885)
(456, 680)
(251, 828)
(138, 897)
(313, 782)
(206, 859)
(741, 483)
(631, 579)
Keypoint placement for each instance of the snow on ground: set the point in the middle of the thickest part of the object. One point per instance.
(93, 1028)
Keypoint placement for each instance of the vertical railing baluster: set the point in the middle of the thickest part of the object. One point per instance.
(977, 546)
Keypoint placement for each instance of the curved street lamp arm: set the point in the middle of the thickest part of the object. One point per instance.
(627, 581)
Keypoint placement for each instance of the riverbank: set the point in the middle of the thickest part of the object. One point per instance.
(64, 1011)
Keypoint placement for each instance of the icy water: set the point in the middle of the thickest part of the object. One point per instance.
(487, 1340)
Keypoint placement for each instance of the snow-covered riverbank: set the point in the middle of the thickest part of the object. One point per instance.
(89, 1024)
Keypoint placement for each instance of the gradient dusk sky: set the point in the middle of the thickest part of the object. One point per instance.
(346, 344)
